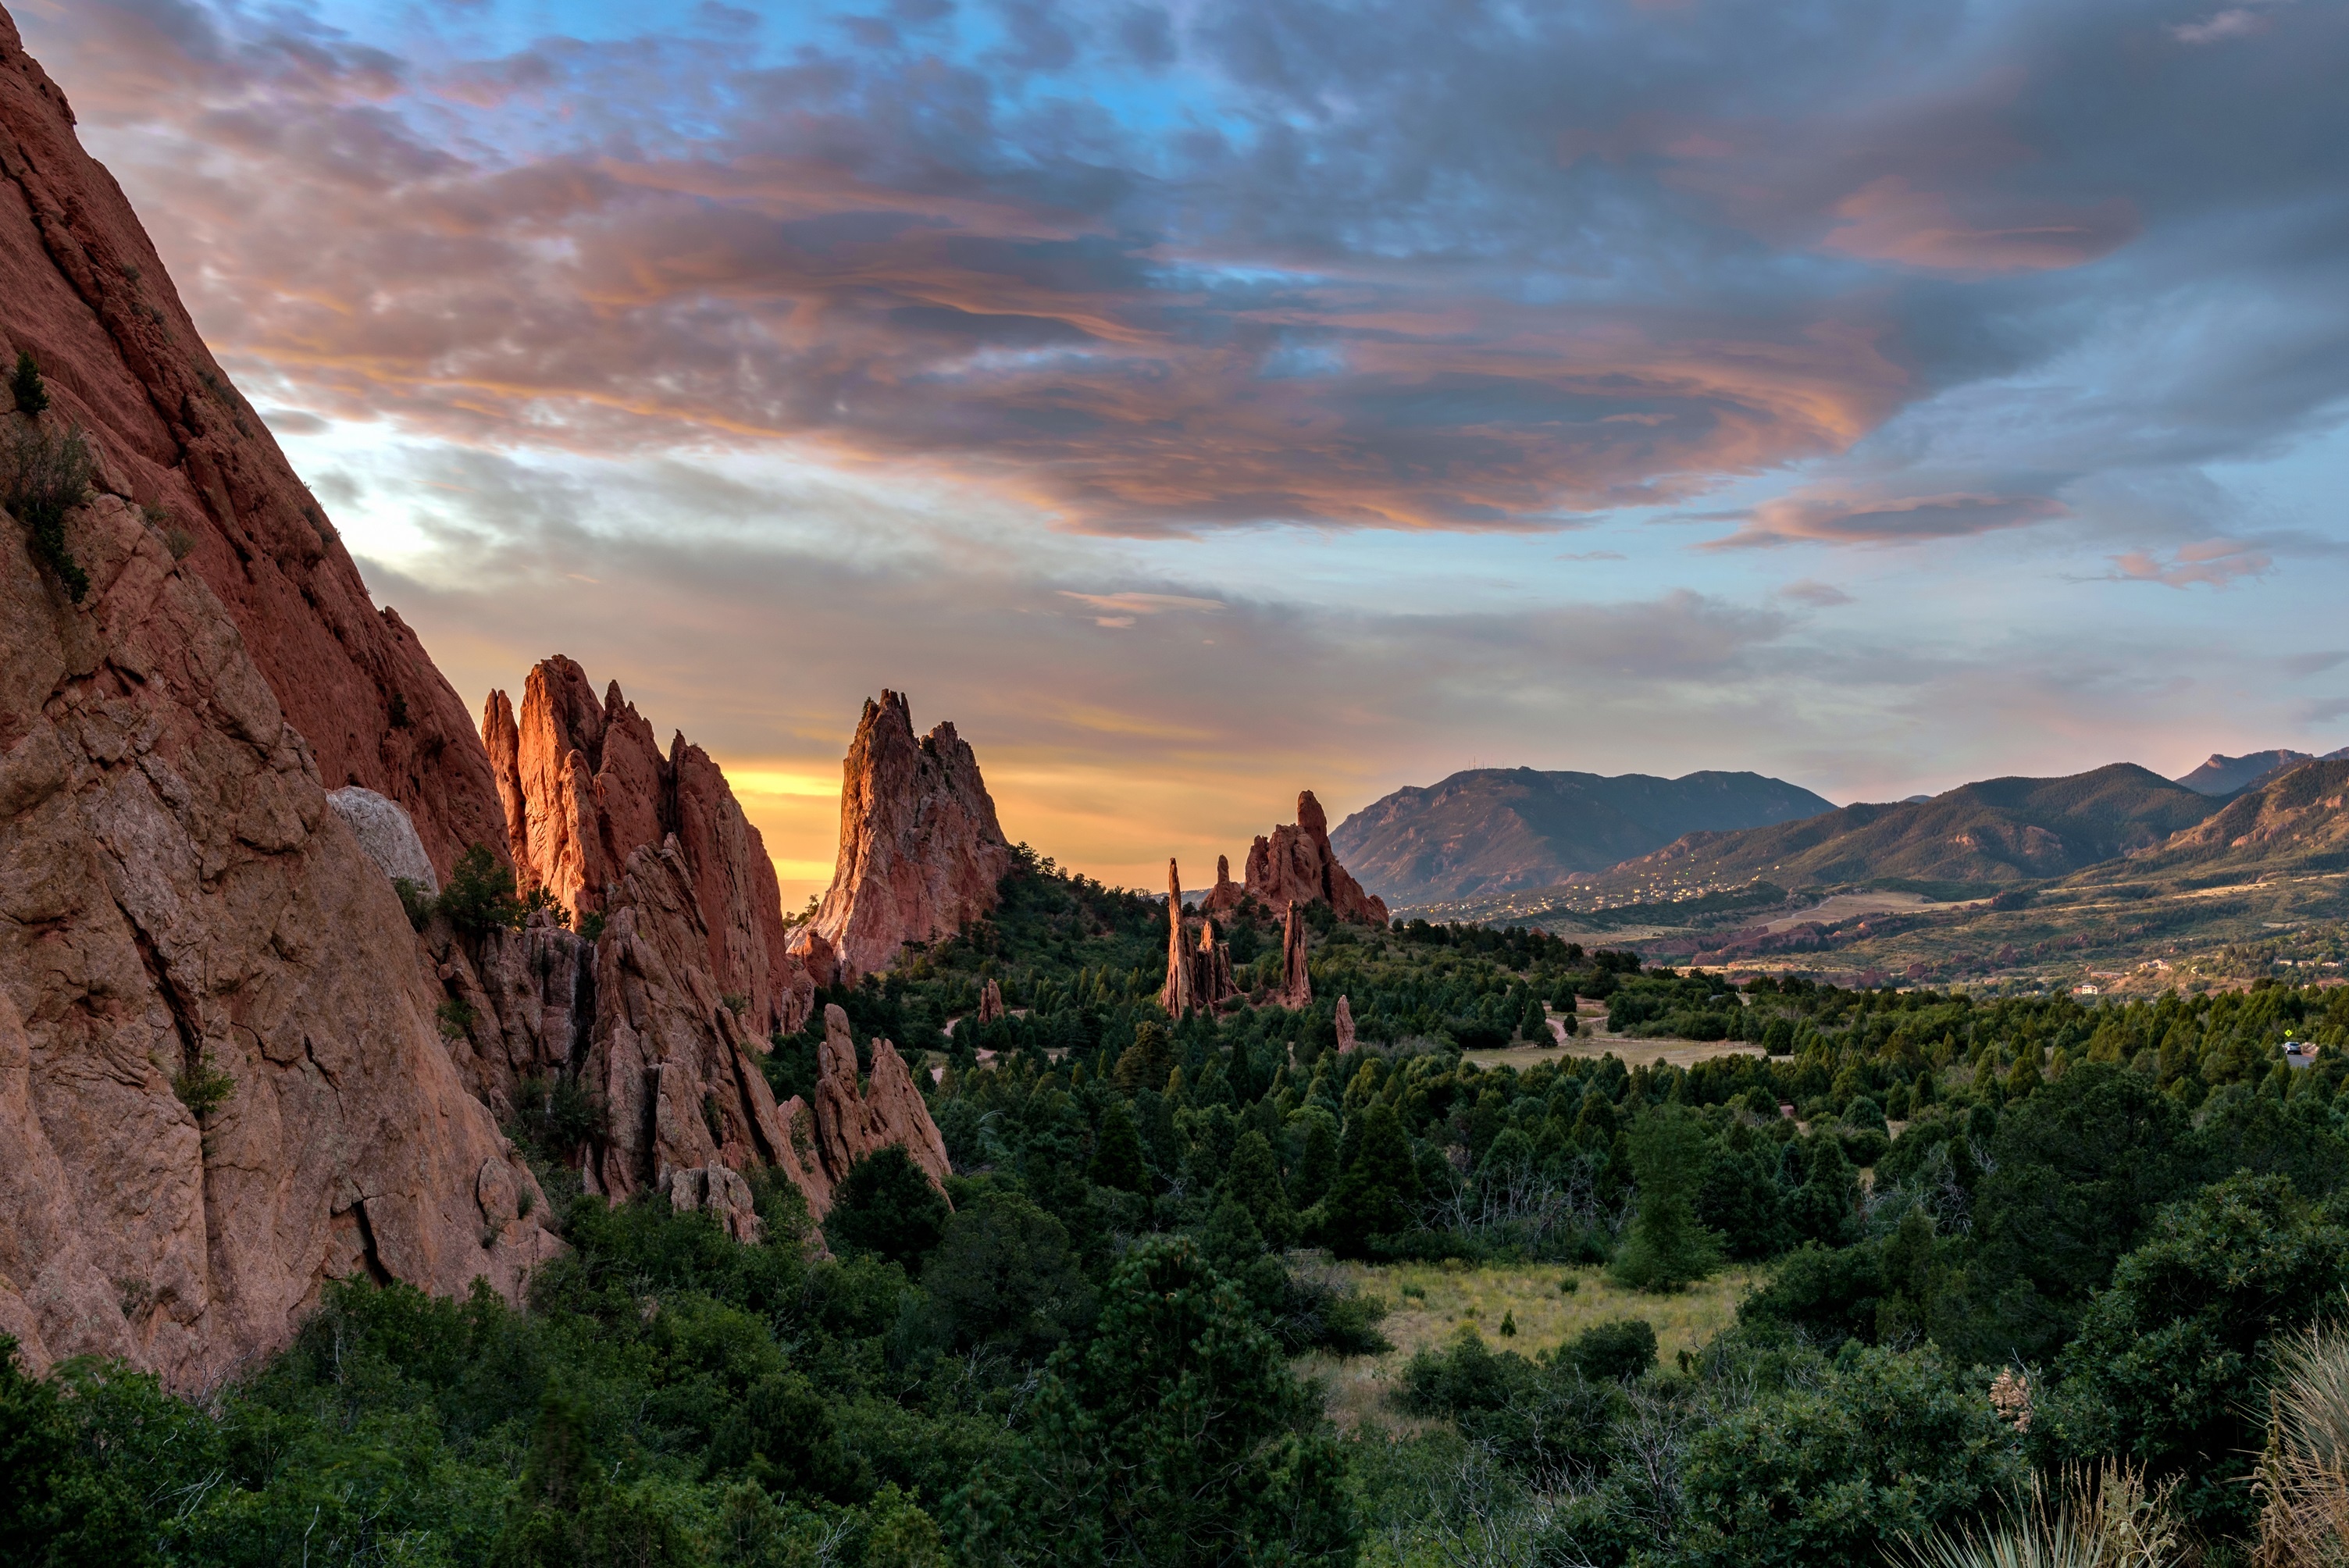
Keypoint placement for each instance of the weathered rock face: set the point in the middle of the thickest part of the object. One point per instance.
(181, 901)
(850, 1125)
(1345, 1021)
(1295, 984)
(920, 850)
(583, 787)
(1297, 865)
(990, 1003)
(1198, 967)
(82, 289)
(387, 833)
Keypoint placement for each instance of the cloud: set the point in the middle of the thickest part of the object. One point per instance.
(1878, 519)
(1889, 221)
(2234, 22)
(1817, 595)
(2215, 563)
(1590, 555)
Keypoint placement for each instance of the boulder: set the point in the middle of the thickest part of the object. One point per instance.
(387, 833)
(921, 852)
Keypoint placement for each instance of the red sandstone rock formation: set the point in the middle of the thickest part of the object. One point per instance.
(82, 290)
(990, 1003)
(1345, 1026)
(182, 902)
(850, 1125)
(583, 787)
(920, 850)
(1296, 865)
(1198, 967)
(1295, 984)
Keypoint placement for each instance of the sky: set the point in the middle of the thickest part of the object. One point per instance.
(1198, 401)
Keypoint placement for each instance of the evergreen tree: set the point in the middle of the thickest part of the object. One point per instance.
(1376, 1194)
(1117, 1151)
(1666, 1247)
(887, 1207)
(1178, 1437)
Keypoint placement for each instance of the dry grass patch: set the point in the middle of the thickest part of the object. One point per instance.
(1430, 1303)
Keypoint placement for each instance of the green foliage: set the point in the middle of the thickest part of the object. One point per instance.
(1666, 1248)
(43, 475)
(480, 897)
(1374, 1198)
(25, 384)
(886, 1207)
(1612, 1352)
(203, 1088)
(1885, 1446)
(1004, 1278)
(1178, 1435)
(418, 904)
(2191, 1322)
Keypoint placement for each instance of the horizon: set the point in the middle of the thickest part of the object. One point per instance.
(1198, 404)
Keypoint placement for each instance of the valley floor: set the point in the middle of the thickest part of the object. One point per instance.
(1452, 1296)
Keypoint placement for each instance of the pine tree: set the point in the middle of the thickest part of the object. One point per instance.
(1666, 1247)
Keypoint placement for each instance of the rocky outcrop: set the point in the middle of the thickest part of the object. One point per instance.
(584, 786)
(1296, 865)
(921, 853)
(1345, 1022)
(1198, 967)
(82, 290)
(221, 1084)
(387, 833)
(1295, 985)
(990, 1003)
(890, 1110)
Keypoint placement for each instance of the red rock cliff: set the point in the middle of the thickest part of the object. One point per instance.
(82, 290)
(920, 849)
(182, 906)
(584, 786)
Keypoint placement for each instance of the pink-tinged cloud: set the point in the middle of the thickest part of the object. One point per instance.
(1889, 220)
(1817, 594)
(1840, 519)
(2234, 22)
(2215, 563)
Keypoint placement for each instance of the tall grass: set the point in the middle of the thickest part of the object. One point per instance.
(2303, 1476)
(2091, 1519)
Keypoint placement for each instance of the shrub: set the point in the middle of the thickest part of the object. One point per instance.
(42, 477)
(31, 392)
(886, 1207)
(203, 1088)
(480, 897)
(1612, 1352)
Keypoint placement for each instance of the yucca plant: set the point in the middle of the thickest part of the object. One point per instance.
(2094, 1519)
(2303, 1476)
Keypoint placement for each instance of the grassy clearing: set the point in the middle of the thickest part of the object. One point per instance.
(1481, 1297)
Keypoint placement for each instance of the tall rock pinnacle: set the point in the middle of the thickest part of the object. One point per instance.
(1296, 865)
(921, 852)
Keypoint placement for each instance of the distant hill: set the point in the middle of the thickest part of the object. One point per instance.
(2223, 775)
(2297, 820)
(1999, 830)
(1493, 828)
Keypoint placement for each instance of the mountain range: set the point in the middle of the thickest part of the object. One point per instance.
(2223, 775)
(1491, 829)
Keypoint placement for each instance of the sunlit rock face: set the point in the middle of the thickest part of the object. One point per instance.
(82, 290)
(1296, 865)
(921, 852)
(584, 786)
(221, 1081)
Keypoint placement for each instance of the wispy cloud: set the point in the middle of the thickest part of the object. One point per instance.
(2212, 563)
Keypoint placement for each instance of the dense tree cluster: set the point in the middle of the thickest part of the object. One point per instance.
(1999, 1238)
